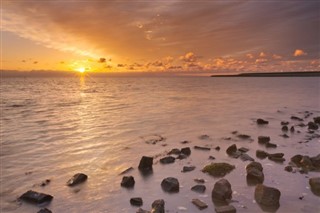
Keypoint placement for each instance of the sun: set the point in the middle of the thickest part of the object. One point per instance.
(81, 69)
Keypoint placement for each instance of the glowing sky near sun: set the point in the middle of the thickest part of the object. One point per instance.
(175, 35)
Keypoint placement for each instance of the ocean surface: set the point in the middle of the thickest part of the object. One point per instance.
(52, 128)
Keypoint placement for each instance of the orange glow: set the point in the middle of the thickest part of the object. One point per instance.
(81, 69)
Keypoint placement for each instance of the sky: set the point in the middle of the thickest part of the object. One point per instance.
(160, 35)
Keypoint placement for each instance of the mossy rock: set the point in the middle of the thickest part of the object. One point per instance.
(218, 169)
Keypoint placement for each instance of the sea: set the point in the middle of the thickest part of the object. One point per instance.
(53, 128)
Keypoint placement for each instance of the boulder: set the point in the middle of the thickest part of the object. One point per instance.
(315, 185)
(140, 210)
(316, 120)
(225, 209)
(254, 176)
(199, 180)
(136, 201)
(312, 125)
(296, 118)
(77, 179)
(255, 165)
(167, 160)
(204, 137)
(158, 206)
(188, 168)
(35, 197)
(296, 160)
(174, 152)
(271, 145)
(288, 168)
(127, 182)
(267, 196)
(243, 150)
(217, 148)
(221, 191)
(186, 151)
(45, 210)
(199, 188)
(261, 154)
(170, 184)
(277, 155)
(182, 156)
(246, 157)
(200, 204)
(263, 139)
(146, 163)
(284, 136)
(292, 129)
(285, 128)
(276, 159)
(231, 149)
(126, 171)
(244, 136)
(316, 161)
(202, 148)
(260, 121)
(284, 123)
(306, 163)
(218, 169)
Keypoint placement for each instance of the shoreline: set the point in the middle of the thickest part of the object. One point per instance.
(274, 74)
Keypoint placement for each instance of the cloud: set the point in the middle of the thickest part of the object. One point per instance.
(249, 55)
(262, 55)
(189, 57)
(102, 60)
(299, 52)
(276, 57)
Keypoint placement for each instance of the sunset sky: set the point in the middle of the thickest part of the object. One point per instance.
(160, 35)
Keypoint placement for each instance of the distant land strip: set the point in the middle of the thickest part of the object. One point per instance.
(274, 74)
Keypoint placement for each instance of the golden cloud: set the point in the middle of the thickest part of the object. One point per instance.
(299, 52)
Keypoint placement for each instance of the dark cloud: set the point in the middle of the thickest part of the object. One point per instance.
(102, 60)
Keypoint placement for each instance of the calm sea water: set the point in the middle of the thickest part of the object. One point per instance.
(54, 128)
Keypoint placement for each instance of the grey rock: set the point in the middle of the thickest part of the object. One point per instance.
(222, 190)
(170, 184)
(276, 155)
(231, 149)
(188, 168)
(267, 196)
(128, 182)
(246, 157)
(244, 136)
(254, 176)
(225, 209)
(136, 201)
(186, 151)
(316, 161)
(77, 179)
(260, 121)
(158, 206)
(271, 145)
(261, 154)
(199, 188)
(174, 152)
(200, 204)
(315, 185)
(182, 156)
(263, 139)
(145, 163)
(276, 159)
(35, 197)
(243, 150)
(167, 160)
(255, 165)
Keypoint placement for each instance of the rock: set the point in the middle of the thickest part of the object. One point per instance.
(217, 148)
(284, 123)
(188, 168)
(184, 142)
(255, 165)
(199, 188)
(254, 176)
(276, 155)
(202, 148)
(198, 203)
(167, 160)
(45, 210)
(170, 184)
(306, 163)
(186, 151)
(267, 196)
(288, 168)
(244, 136)
(292, 129)
(284, 136)
(126, 171)
(231, 149)
(296, 118)
(285, 128)
(182, 156)
(263, 139)
(315, 185)
(204, 137)
(262, 122)
(225, 209)
(276, 159)
(316, 161)
(246, 157)
(271, 145)
(77, 179)
(158, 206)
(140, 210)
(136, 201)
(174, 152)
(218, 169)
(211, 157)
(301, 125)
(312, 125)
(146, 163)
(243, 150)
(261, 154)
(36, 197)
(128, 182)
(199, 180)
(296, 160)
(316, 120)
(221, 191)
